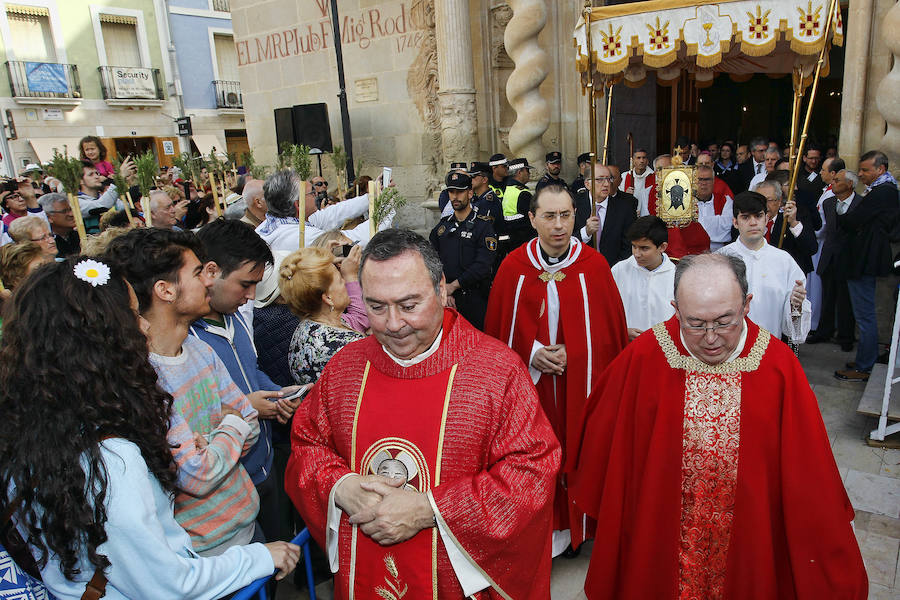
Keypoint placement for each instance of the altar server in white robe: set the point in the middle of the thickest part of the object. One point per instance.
(777, 283)
(646, 280)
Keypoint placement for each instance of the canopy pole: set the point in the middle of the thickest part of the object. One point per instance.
(795, 116)
(795, 170)
(609, 94)
(592, 102)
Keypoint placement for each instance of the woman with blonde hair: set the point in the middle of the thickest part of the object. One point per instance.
(315, 289)
(37, 230)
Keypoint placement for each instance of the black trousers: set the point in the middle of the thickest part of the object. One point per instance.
(837, 313)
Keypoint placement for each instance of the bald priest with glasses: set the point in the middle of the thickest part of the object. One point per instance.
(705, 461)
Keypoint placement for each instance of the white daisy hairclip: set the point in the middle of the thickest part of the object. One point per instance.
(93, 272)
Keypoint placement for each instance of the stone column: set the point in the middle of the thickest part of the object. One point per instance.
(856, 68)
(456, 81)
(887, 95)
(523, 86)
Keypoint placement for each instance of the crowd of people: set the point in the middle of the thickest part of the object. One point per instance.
(446, 413)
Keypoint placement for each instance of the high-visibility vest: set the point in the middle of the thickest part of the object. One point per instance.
(511, 200)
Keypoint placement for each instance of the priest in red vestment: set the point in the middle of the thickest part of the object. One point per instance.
(422, 461)
(555, 303)
(708, 466)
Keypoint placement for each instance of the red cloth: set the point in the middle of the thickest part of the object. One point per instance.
(527, 307)
(649, 182)
(769, 225)
(683, 241)
(790, 534)
(498, 463)
(721, 192)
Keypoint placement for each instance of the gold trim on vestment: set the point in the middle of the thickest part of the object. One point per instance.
(440, 519)
(677, 360)
(362, 388)
(437, 476)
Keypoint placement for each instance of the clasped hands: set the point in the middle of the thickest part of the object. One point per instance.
(383, 509)
(551, 360)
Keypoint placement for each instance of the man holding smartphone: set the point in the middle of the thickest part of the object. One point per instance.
(235, 260)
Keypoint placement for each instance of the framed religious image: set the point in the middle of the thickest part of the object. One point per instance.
(675, 203)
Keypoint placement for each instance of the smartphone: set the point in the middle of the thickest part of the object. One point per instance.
(298, 394)
(385, 177)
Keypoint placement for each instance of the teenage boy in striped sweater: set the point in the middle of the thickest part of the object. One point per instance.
(212, 423)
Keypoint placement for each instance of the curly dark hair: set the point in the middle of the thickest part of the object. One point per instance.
(100, 147)
(74, 370)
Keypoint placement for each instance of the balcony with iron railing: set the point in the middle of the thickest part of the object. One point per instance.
(222, 5)
(43, 82)
(137, 86)
(228, 95)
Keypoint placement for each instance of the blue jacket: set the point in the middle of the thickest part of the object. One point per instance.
(234, 345)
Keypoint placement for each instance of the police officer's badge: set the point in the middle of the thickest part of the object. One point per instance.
(441, 230)
(491, 243)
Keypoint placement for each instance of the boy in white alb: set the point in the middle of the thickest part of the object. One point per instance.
(646, 280)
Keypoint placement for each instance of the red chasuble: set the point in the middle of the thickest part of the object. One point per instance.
(591, 325)
(712, 481)
(464, 424)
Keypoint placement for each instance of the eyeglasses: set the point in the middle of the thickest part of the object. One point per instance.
(324, 183)
(716, 328)
(705, 179)
(67, 211)
(564, 215)
(602, 179)
(46, 236)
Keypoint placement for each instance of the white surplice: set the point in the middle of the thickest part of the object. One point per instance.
(647, 295)
(771, 275)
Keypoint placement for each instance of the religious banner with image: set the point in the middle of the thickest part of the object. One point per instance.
(46, 78)
(675, 189)
(133, 82)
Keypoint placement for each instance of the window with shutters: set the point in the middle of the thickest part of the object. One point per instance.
(31, 37)
(226, 57)
(120, 38)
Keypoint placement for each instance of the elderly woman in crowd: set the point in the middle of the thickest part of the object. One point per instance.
(17, 261)
(85, 456)
(37, 230)
(315, 289)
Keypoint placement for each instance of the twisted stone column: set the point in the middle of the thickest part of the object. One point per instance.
(887, 97)
(523, 86)
(456, 77)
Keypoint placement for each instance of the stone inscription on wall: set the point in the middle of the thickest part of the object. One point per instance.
(360, 30)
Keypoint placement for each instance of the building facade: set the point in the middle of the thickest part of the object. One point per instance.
(434, 81)
(207, 70)
(77, 68)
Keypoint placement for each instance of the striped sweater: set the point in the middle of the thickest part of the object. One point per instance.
(216, 497)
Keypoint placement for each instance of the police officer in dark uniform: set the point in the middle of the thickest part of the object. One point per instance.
(554, 166)
(484, 199)
(466, 243)
(584, 164)
(516, 205)
(499, 170)
(444, 198)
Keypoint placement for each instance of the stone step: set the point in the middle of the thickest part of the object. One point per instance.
(871, 401)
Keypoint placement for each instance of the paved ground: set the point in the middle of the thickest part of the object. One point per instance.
(871, 475)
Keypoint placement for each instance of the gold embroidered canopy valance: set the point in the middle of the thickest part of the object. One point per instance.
(740, 37)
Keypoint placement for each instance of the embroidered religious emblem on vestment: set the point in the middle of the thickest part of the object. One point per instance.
(546, 276)
(395, 589)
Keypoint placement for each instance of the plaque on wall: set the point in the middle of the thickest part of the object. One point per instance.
(366, 89)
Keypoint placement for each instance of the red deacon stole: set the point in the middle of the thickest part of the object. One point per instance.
(398, 430)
